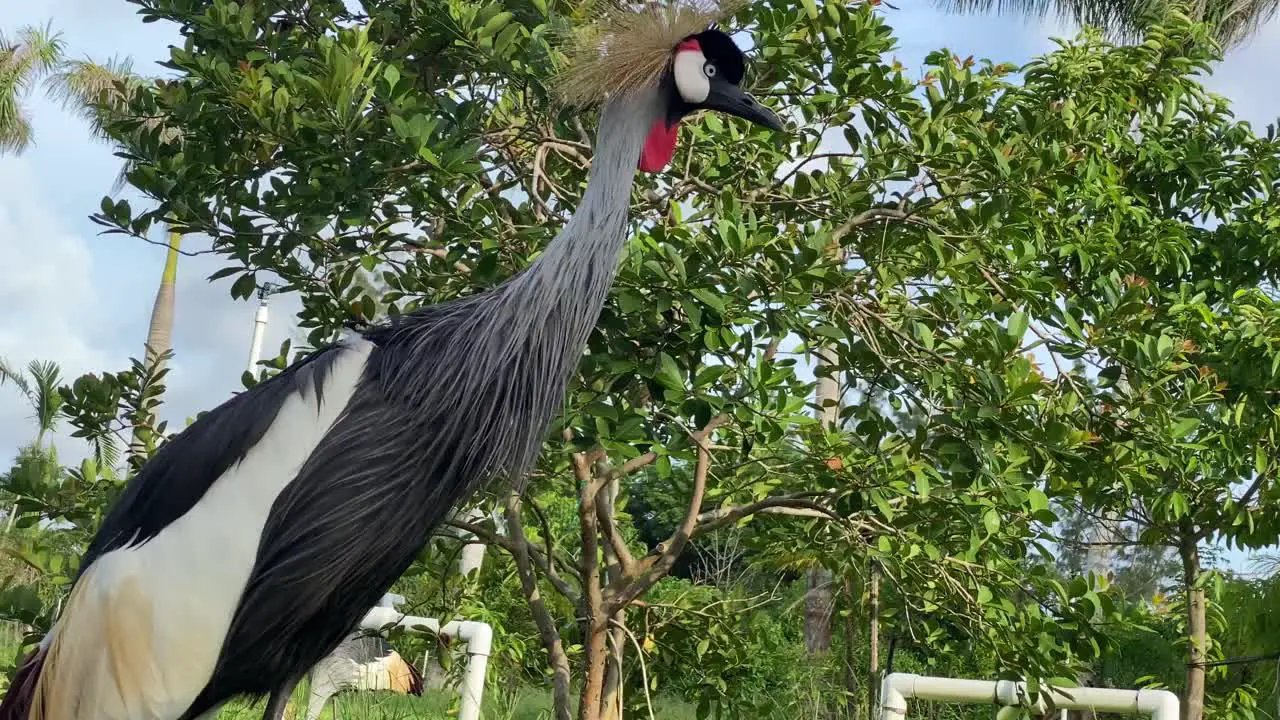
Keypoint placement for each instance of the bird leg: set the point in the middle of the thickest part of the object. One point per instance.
(279, 700)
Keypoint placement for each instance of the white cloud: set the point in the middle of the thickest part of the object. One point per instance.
(48, 293)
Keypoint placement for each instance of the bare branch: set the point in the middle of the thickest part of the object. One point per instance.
(642, 461)
(509, 545)
(784, 505)
(551, 640)
(657, 564)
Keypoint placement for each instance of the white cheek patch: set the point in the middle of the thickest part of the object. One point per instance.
(692, 83)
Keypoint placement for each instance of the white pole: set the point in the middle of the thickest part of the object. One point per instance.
(470, 560)
(898, 687)
(472, 556)
(478, 637)
(259, 330)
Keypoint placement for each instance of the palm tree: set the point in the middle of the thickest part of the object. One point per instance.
(39, 385)
(23, 61)
(1233, 21)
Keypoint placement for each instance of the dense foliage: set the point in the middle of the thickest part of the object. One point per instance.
(1040, 289)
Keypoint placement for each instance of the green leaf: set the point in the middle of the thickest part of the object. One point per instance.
(991, 521)
(1183, 427)
(709, 298)
(392, 75)
(925, 334)
(1038, 500)
(1018, 325)
(495, 24)
(669, 373)
(244, 286)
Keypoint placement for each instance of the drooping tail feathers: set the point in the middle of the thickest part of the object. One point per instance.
(17, 700)
(403, 677)
(415, 686)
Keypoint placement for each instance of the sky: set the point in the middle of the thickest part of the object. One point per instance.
(84, 300)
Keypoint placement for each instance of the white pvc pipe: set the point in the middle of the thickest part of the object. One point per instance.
(478, 637)
(259, 330)
(899, 687)
(471, 558)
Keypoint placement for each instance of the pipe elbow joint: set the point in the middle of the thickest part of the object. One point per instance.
(1160, 704)
(478, 636)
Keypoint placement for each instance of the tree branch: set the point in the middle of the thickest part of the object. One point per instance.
(604, 516)
(657, 564)
(509, 545)
(642, 461)
(782, 505)
(551, 640)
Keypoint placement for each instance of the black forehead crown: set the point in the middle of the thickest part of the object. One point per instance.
(720, 49)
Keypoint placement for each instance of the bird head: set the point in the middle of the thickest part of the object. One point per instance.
(674, 45)
(705, 74)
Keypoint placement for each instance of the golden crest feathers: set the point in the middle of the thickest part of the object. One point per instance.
(626, 46)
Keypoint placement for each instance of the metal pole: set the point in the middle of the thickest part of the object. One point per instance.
(265, 291)
(259, 329)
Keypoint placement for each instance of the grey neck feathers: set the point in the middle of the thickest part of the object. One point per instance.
(583, 257)
(483, 377)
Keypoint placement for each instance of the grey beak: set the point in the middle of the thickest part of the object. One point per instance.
(729, 98)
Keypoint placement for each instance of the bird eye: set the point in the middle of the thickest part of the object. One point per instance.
(709, 69)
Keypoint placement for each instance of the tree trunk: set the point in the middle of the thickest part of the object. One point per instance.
(819, 599)
(160, 331)
(550, 637)
(873, 633)
(852, 601)
(611, 701)
(597, 658)
(817, 617)
(1196, 629)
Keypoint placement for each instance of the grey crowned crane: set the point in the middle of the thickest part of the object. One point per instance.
(254, 541)
(361, 662)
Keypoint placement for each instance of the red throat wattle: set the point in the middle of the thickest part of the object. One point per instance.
(660, 146)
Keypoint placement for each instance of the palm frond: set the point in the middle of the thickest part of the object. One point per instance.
(1232, 21)
(24, 59)
(1236, 21)
(98, 92)
(46, 397)
(1265, 564)
(15, 129)
(10, 374)
(28, 57)
(106, 453)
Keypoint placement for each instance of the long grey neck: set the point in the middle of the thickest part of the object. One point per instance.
(575, 272)
(485, 375)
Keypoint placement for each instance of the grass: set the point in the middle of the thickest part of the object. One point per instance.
(501, 702)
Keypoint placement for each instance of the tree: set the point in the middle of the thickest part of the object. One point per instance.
(329, 135)
(39, 385)
(1231, 21)
(977, 220)
(23, 61)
